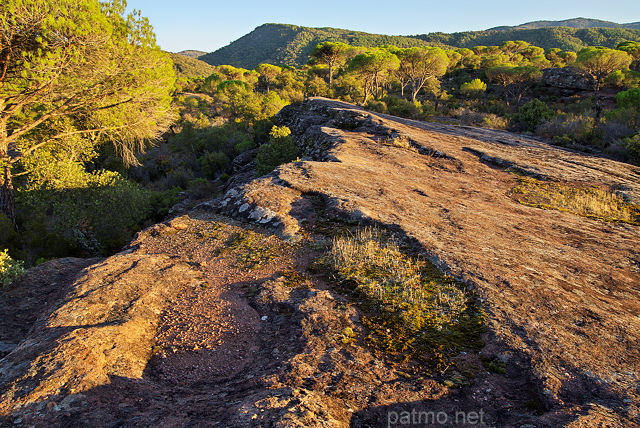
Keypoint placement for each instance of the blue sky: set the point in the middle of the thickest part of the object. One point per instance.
(210, 25)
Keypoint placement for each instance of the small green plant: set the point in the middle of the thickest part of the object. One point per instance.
(347, 335)
(413, 309)
(10, 269)
(494, 365)
(294, 279)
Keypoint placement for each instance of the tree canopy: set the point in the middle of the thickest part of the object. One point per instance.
(332, 54)
(598, 63)
(374, 66)
(77, 68)
(417, 65)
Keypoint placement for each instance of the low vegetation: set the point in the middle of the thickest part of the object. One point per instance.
(251, 249)
(591, 202)
(10, 269)
(413, 310)
(281, 149)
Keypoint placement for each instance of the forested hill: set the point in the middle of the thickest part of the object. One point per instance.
(565, 38)
(186, 66)
(571, 23)
(192, 53)
(291, 45)
(283, 44)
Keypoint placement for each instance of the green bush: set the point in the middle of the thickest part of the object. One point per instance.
(281, 149)
(533, 114)
(402, 108)
(376, 106)
(473, 89)
(244, 146)
(96, 220)
(629, 99)
(10, 269)
(632, 145)
(213, 163)
(569, 130)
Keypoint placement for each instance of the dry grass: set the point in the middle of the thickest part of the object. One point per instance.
(591, 202)
(383, 272)
(418, 311)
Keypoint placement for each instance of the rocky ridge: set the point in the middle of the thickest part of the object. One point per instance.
(219, 317)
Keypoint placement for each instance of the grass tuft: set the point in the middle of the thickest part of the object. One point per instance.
(415, 311)
(590, 202)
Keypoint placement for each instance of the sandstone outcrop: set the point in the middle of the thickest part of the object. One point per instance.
(199, 322)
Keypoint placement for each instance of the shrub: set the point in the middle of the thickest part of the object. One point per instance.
(200, 188)
(376, 106)
(473, 89)
(92, 221)
(212, 163)
(533, 114)
(488, 120)
(244, 146)
(629, 99)
(569, 128)
(632, 145)
(9, 269)
(402, 108)
(281, 149)
(623, 78)
(494, 121)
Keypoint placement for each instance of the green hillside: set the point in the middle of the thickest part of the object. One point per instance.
(192, 53)
(284, 44)
(564, 38)
(187, 67)
(571, 23)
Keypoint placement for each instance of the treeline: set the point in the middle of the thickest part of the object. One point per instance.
(564, 38)
(292, 45)
(229, 112)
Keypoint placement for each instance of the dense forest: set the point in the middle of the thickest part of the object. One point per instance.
(283, 44)
(571, 23)
(100, 136)
(292, 45)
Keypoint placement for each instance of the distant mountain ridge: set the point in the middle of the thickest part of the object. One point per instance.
(291, 44)
(188, 67)
(192, 53)
(284, 44)
(570, 23)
